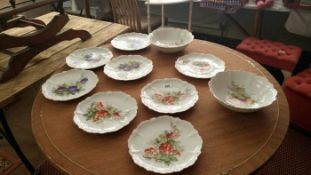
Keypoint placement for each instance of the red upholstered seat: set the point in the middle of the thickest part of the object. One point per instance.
(298, 93)
(301, 83)
(274, 54)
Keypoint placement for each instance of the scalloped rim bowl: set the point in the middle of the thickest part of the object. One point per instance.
(170, 39)
(142, 137)
(242, 91)
(125, 104)
(69, 80)
(169, 95)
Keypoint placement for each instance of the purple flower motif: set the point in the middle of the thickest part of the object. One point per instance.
(73, 89)
(135, 65)
(83, 81)
(129, 66)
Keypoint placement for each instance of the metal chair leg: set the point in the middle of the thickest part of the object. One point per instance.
(13, 143)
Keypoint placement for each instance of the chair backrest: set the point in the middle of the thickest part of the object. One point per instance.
(127, 12)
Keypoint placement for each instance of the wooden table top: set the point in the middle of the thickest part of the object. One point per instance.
(53, 58)
(233, 142)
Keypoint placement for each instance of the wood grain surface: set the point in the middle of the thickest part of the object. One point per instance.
(233, 143)
(53, 58)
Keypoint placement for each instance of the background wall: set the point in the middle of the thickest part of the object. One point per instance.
(207, 21)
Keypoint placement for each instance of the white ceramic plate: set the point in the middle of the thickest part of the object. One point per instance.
(128, 67)
(131, 41)
(89, 58)
(169, 95)
(105, 112)
(165, 144)
(170, 40)
(69, 85)
(242, 91)
(199, 65)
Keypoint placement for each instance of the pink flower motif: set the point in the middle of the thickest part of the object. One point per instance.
(100, 106)
(116, 115)
(101, 114)
(176, 152)
(168, 100)
(166, 148)
(171, 135)
(150, 150)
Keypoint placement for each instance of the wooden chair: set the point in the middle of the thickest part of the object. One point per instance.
(127, 12)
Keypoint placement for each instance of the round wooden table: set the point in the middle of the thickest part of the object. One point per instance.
(233, 143)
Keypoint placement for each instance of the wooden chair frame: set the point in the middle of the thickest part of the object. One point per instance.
(127, 12)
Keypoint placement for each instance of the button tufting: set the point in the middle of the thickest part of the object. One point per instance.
(274, 54)
(281, 52)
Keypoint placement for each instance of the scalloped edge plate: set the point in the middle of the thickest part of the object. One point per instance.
(188, 144)
(199, 65)
(128, 67)
(68, 81)
(89, 58)
(122, 107)
(167, 101)
(131, 41)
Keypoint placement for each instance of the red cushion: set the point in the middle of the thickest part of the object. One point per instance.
(299, 107)
(301, 83)
(274, 54)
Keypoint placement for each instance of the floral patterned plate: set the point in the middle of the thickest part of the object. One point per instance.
(169, 95)
(105, 112)
(128, 67)
(69, 85)
(199, 65)
(89, 58)
(242, 91)
(165, 144)
(131, 41)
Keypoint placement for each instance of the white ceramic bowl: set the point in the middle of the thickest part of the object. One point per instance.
(165, 144)
(242, 91)
(170, 40)
(170, 95)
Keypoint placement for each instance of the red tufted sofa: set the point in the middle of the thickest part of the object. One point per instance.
(274, 54)
(298, 92)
